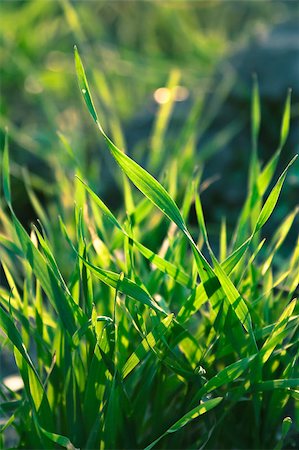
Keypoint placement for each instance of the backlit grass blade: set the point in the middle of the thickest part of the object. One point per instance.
(162, 119)
(145, 182)
(9, 328)
(225, 376)
(191, 415)
(255, 129)
(281, 324)
(125, 286)
(255, 112)
(62, 441)
(163, 265)
(82, 331)
(272, 199)
(231, 292)
(63, 303)
(50, 257)
(223, 242)
(285, 124)
(83, 84)
(147, 343)
(102, 205)
(270, 385)
(117, 281)
(5, 171)
(152, 189)
(279, 238)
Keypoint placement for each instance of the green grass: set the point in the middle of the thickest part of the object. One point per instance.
(129, 330)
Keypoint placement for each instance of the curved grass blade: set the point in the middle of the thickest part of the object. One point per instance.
(165, 266)
(14, 336)
(193, 414)
(225, 376)
(84, 85)
(272, 199)
(124, 285)
(146, 344)
(153, 190)
(116, 280)
(81, 331)
(145, 182)
(281, 324)
(62, 441)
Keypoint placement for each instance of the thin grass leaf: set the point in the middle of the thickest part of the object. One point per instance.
(83, 84)
(270, 385)
(272, 199)
(255, 112)
(281, 324)
(191, 415)
(14, 336)
(148, 343)
(285, 124)
(163, 265)
(66, 307)
(117, 281)
(5, 171)
(62, 441)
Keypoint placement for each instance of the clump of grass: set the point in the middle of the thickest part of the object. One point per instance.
(124, 346)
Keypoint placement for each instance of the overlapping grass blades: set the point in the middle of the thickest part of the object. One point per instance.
(127, 326)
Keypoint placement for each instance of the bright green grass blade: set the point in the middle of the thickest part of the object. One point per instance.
(67, 309)
(82, 331)
(272, 199)
(5, 172)
(231, 292)
(163, 265)
(193, 414)
(148, 185)
(265, 177)
(279, 238)
(267, 173)
(285, 124)
(223, 241)
(102, 205)
(281, 324)
(145, 182)
(255, 129)
(11, 282)
(152, 189)
(34, 388)
(162, 120)
(270, 385)
(255, 113)
(116, 281)
(62, 441)
(50, 257)
(14, 336)
(234, 297)
(225, 376)
(83, 84)
(148, 343)
(125, 286)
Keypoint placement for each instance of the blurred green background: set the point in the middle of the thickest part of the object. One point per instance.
(130, 50)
